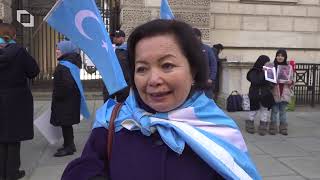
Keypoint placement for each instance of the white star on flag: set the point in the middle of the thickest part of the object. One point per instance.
(105, 45)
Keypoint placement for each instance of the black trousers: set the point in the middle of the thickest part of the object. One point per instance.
(9, 159)
(67, 132)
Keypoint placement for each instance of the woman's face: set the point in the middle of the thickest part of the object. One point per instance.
(58, 52)
(162, 73)
(280, 58)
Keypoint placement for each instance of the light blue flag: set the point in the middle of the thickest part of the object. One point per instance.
(165, 10)
(81, 22)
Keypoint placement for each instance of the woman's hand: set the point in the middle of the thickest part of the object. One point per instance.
(290, 82)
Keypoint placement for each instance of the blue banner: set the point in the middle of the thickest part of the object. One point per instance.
(165, 10)
(80, 21)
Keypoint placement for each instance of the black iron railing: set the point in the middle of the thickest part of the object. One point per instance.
(307, 86)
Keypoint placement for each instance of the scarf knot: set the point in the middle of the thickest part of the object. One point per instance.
(211, 134)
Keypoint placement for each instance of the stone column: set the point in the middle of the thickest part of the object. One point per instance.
(233, 76)
(5, 11)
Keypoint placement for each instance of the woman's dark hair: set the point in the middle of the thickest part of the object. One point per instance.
(283, 52)
(261, 61)
(218, 47)
(186, 40)
(197, 32)
(7, 31)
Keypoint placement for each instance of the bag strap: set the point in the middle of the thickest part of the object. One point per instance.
(114, 115)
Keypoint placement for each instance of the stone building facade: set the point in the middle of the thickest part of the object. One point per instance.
(5, 10)
(246, 28)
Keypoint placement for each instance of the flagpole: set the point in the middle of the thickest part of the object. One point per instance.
(46, 17)
(52, 9)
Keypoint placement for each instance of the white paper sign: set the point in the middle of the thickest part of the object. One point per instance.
(51, 133)
(270, 74)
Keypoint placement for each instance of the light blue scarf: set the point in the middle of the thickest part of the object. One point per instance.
(75, 72)
(198, 122)
(2, 41)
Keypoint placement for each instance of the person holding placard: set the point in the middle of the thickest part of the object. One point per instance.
(260, 95)
(282, 93)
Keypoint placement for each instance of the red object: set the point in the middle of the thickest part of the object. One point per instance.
(293, 64)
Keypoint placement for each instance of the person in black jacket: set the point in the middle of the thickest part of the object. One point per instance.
(66, 97)
(260, 95)
(16, 101)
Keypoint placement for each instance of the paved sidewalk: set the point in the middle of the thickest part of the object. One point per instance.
(292, 157)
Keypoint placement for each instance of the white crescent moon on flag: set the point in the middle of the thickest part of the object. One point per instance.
(80, 16)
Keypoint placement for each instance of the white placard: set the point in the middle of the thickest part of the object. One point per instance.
(284, 73)
(51, 133)
(270, 74)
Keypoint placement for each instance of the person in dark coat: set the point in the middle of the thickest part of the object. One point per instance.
(66, 97)
(217, 49)
(212, 63)
(260, 95)
(167, 128)
(16, 101)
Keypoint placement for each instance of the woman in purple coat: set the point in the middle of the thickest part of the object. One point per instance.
(167, 128)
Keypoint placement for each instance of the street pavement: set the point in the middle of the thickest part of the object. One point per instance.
(292, 157)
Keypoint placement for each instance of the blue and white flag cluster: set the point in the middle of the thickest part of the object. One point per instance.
(165, 10)
(80, 21)
(200, 123)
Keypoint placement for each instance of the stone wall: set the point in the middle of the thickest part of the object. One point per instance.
(251, 27)
(5, 10)
(233, 76)
(196, 13)
(247, 28)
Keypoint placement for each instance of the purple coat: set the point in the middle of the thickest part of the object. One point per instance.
(137, 157)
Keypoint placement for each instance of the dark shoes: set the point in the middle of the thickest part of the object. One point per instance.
(250, 126)
(65, 151)
(283, 129)
(73, 147)
(262, 130)
(20, 174)
(273, 128)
